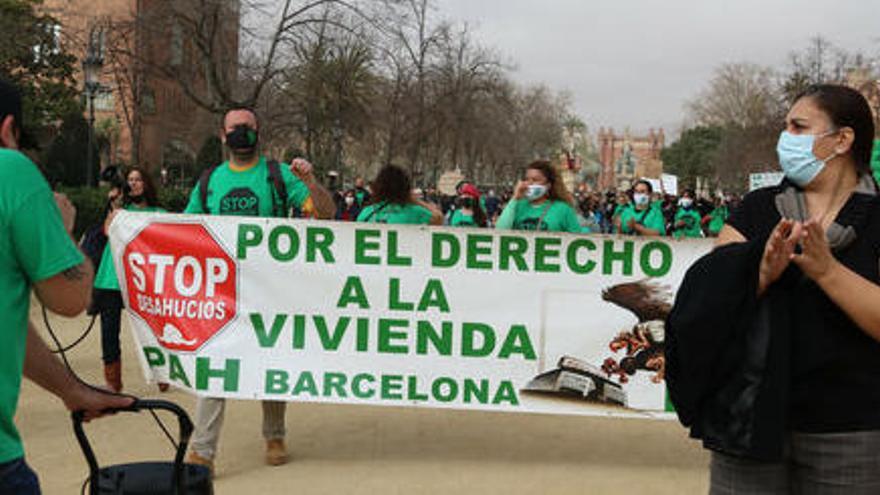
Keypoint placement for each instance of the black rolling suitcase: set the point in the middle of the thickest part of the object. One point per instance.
(147, 478)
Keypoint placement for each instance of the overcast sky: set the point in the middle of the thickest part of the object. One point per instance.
(635, 62)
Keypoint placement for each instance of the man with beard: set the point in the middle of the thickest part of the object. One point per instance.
(251, 185)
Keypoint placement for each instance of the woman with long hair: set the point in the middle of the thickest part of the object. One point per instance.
(773, 346)
(540, 202)
(139, 194)
(393, 201)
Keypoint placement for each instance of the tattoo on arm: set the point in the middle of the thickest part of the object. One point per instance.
(74, 274)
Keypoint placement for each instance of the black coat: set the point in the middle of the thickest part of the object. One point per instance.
(727, 355)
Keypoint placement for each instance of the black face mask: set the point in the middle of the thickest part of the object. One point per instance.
(243, 140)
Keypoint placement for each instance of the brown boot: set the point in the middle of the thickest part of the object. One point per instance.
(198, 460)
(113, 376)
(276, 453)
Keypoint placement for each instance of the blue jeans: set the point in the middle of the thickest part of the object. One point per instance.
(17, 478)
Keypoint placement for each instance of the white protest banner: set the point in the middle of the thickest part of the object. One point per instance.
(656, 184)
(669, 183)
(764, 179)
(349, 313)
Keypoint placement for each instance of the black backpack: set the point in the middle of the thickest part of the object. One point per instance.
(279, 199)
(93, 243)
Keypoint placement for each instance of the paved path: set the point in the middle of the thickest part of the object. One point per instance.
(365, 450)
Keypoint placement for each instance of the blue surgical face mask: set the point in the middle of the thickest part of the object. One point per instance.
(535, 192)
(797, 159)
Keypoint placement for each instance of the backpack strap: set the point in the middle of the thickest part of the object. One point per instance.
(376, 209)
(204, 179)
(279, 199)
(544, 214)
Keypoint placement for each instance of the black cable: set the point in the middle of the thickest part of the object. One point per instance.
(75, 342)
(62, 352)
(165, 430)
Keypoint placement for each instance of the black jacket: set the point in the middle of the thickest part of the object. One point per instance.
(727, 355)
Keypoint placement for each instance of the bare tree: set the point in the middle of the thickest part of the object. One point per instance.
(741, 94)
(417, 38)
(744, 102)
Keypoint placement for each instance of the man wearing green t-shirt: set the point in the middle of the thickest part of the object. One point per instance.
(361, 194)
(36, 251)
(244, 186)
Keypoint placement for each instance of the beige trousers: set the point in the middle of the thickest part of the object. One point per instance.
(209, 421)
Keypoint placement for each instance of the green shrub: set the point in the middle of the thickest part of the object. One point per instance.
(173, 199)
(91, 204)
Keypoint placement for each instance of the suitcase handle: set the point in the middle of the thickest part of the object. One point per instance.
(186, 429)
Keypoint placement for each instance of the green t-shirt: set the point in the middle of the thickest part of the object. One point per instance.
(408, 214)
(651, 218)
(33, 247)
(249, 192)
(105, 277)
(360, 196)
(875, 160)
(462, 219)
(558, 216)
(718, 217)
(691, 219)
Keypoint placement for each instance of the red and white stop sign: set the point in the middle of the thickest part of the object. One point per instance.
(181, 282)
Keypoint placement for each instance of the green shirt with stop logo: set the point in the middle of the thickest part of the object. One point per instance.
(105, 277)
(249, 192)
(390, 213)
(690, 219)
(34, 246)
(548, 216)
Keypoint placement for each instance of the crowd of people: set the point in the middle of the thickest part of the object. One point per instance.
(540, 201)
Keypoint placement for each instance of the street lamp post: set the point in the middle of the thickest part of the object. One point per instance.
(92, 64)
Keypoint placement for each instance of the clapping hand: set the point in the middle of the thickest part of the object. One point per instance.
(815, 259)
(778, 252)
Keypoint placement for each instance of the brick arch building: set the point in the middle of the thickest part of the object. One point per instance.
(642, 154)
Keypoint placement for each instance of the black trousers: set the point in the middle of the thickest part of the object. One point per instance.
(109, 304)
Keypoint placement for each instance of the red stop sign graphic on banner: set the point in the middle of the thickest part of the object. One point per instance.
(181, 282)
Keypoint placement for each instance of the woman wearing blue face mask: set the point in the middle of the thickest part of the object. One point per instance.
(642, 217)
(540, 202)
(773, 346)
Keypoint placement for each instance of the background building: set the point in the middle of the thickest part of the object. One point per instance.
(625, 158)
(146, 113)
